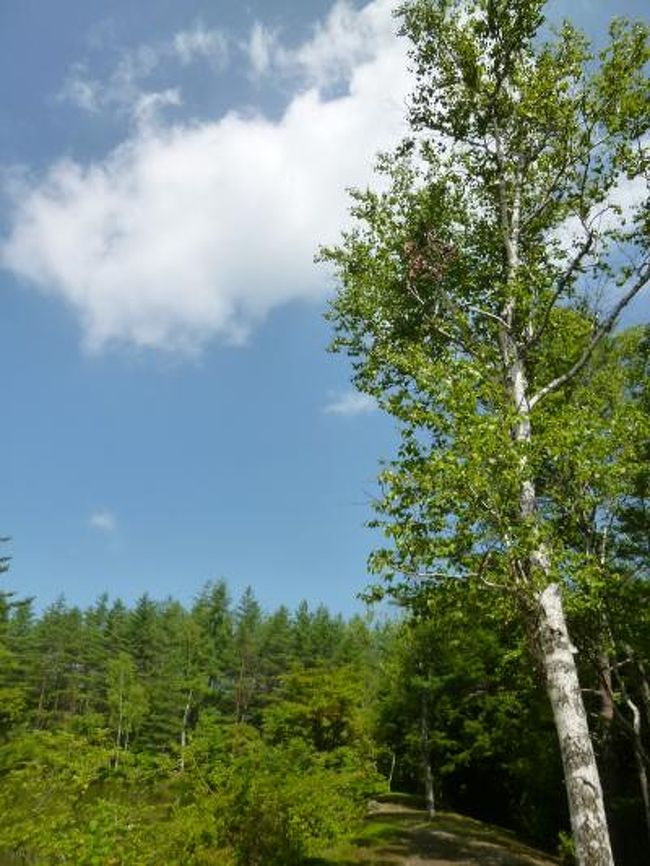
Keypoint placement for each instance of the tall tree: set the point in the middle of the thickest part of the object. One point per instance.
(247, 641)
(12, 690)
(126, 701)
(520, 196)
(213, 616)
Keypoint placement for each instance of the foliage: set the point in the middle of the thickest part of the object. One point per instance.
(131, 745)
(298, 775)
(478, 292)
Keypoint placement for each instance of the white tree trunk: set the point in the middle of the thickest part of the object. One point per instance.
(639, 754)
(391, 773)
(186, 717)
(427, 772)
(586, 806)
(640, 762)
(584, 791)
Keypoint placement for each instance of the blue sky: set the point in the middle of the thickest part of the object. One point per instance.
(170, 414)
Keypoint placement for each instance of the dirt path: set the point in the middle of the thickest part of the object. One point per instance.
(399, 835)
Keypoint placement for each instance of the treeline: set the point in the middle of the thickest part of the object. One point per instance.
(158, 734)
(224, 734)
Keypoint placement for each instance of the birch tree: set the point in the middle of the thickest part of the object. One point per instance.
(126, 701)
(519, 199)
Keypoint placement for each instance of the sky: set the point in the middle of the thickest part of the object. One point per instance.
(170, 414)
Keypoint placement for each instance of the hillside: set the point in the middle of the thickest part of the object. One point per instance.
(397, 834)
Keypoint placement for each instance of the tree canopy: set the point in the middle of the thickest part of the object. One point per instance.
(477, 293)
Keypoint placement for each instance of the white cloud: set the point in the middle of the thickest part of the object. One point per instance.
(82, 91)
(148, 106)
(123, 89)
(200, 42)
(190, 231)
(350, 403)
(348, 38)
(104, 521)
(262, 47)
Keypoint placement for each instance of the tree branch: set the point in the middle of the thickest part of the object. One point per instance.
(598, 335)
(561, 286)
(485, 313)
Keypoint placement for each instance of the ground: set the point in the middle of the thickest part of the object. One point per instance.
(397, 834)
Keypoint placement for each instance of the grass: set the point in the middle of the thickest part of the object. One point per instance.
(398, 833)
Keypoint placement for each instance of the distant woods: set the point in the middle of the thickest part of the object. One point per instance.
(156, 733)
(226, 734)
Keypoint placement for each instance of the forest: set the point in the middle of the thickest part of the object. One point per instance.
(225, 734)
(479, 298)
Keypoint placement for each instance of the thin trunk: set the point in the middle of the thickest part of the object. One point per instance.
(645, 693)
(643, 677)
(120, 719)
(239, 693)
(645, 689)
(605, 691)
(186, 716)
(586, 805)
(640, 762)
(604, 664)
(118, 736)
(391, 772)
(639, 752)
(425, 747)
(40, 712)
(607, 759)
